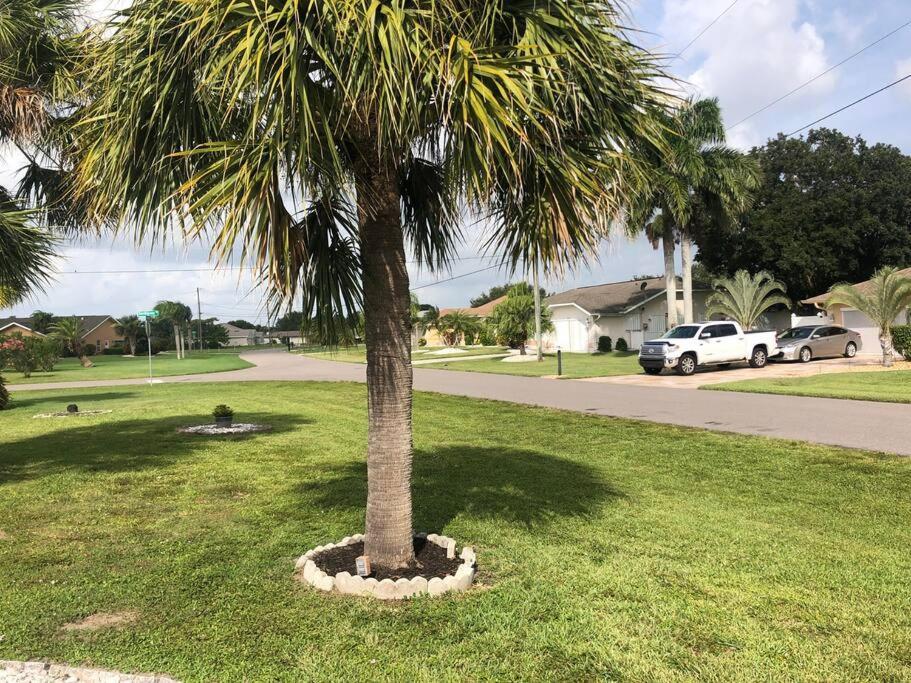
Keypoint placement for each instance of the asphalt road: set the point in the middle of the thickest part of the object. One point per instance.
(884, 427)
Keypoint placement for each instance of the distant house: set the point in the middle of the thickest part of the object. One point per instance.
(98, 330)
(481, 312)
(238, 336)
(633, 309)
(853, 319)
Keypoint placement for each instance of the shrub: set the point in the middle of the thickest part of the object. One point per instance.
(27, 354)
(422, 342)
(4, 394)
(487, 336)
(142, 347)
(47, 352)
(621, 344)
(89, 350)
(604, 344)
(901, 340)
(222, 411)
(116, 351)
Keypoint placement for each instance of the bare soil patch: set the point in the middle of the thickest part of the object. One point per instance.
(102, 620)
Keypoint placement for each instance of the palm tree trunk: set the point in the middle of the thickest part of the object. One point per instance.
(670, 277)
(538, 339)
(686, 258)
(177, 341)
(885, 341)
(387, 327)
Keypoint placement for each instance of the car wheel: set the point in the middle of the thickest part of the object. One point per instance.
(652, 371)
(759, 358)
(850, 350)
(805, 354)
(686, 365)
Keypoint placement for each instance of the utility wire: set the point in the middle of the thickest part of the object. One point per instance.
(707, 27)
(456, 277)
(821, 74)
(851, 104)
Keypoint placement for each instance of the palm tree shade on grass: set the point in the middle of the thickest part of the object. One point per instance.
(324, 140)
(745, 297)
(887, 297)
(694, 176)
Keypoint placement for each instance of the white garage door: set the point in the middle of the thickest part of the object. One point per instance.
(869, 333)
(572, 335)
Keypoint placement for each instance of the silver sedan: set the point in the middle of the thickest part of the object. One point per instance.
(818, 341)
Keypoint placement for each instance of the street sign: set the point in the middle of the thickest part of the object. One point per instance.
(148, 314)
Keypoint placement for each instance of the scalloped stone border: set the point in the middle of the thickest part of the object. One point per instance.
(387, 589)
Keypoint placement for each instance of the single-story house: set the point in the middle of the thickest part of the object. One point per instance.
(284, 336)
(634, 309)
(98, 330)
(482, 312)
(853, 319)
(238, 336)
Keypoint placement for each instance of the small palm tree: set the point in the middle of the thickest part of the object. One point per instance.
(69, 332)
(883, 299)
(744, 297)
(130, 327)
(457, 327)
(178, 315)
(513, 319)
(42, 321)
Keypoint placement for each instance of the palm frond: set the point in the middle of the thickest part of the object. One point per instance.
(26, 253)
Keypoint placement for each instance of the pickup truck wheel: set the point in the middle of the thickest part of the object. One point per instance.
(652, 371)
(759, 358)
(686, 365)
(850, 350)
(805, 354)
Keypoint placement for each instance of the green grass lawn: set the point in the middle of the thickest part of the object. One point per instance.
(575, 365)
(608, 549)
(892, 387)
(125, 367)
(358, 354)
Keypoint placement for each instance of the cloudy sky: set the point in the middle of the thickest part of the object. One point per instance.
(756, 52)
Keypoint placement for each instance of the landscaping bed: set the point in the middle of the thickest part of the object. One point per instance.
(607, 549)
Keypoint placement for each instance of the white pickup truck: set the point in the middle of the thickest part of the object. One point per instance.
(686, 347)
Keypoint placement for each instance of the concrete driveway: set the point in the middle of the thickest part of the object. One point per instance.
(741, 371)
(884, 427)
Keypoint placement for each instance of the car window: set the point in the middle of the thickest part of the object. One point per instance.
(682, 332)
(711, 331)
(726, 331)
(796, 333)
(835, 331)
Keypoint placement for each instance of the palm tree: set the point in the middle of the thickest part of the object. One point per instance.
(178, 315)
(457, 327)
(693, 170)
(515, 319)
(744, 297)
(26, 253)
(381, 118)
(883, 299)
(69, 332)
(130, 327)
(42, 321)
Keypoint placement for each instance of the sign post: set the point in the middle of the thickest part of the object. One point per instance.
(145, 316)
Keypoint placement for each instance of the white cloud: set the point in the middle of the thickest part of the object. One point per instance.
(754, 54)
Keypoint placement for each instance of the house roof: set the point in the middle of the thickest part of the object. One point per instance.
(7, 323)
(234, 331)
(612, 298)
(482, 311)
(89, 322)
(820, 299)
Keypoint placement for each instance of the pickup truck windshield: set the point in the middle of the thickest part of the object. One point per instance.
(682, 332)
(796, 333)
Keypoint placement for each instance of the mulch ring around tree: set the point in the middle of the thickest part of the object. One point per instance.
(429, 561)
(81, 413)
(236, 429)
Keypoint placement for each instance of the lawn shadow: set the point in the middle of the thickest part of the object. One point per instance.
(18, 401)
(511, 485)
(111, 445)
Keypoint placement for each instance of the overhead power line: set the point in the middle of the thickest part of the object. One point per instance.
(456, 277)
(849, 105)
(706, 28)
(821, 74)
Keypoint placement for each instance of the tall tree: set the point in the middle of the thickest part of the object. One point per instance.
(42, 321)
(830, 208)
(887, 296)
(695, 173)
(69, 332)
(178, 315)
(385, 117)
(744, 297)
